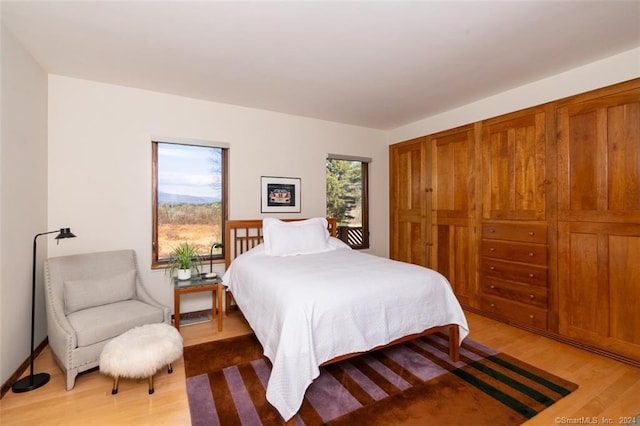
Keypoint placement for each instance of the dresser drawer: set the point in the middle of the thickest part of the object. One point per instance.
(518, 312)
(525, 232)
(520, 252)
(527, 294)
(527, 274)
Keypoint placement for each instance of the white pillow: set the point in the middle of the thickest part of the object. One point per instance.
(295, 238)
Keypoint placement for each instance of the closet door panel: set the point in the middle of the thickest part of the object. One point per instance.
(453, 178)
(453, 174)
(599, 158)
(580, 309)
(584, 165)
(409, 179)
(513, 166)
(410, 215)
(453, 260)
(624, 276)
(409, 235)
(599, 292)
(623, 153)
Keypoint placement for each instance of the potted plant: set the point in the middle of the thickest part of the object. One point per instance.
(185, 257)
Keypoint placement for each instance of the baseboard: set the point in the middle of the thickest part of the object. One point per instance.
(6, 386)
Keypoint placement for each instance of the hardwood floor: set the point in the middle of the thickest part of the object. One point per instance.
(608, 389)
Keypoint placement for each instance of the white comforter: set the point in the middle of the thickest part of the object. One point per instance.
(308, 309)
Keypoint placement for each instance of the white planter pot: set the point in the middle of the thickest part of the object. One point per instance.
(184, 274)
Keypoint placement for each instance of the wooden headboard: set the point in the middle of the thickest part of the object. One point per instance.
(243, 235)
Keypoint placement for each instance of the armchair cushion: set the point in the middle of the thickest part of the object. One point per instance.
(88, 293)
(102, 323)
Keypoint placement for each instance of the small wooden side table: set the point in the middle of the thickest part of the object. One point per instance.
(194, 285)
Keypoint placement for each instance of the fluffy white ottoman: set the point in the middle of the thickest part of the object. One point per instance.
(140, 352)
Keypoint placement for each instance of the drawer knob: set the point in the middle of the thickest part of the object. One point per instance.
(492, 249)
(493, 305)
(532, 233)
(531, 316)
(493, 268)
(492, 230)
(531, 254)
(492, 286)
(532, 275)
(532, 296)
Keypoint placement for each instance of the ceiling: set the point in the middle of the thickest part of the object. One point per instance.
(373, 64)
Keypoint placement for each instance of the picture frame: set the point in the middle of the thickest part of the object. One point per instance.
(280, 194)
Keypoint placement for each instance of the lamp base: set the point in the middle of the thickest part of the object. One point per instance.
(30, 383)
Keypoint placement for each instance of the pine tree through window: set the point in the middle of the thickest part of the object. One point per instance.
(347, 199)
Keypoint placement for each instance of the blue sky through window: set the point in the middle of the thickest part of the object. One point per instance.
(189, 174)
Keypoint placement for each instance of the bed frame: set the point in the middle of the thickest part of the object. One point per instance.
(243, 235)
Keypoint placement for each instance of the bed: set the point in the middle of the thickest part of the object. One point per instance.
(311, 300)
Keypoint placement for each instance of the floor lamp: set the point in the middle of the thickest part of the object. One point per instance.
(34, 381)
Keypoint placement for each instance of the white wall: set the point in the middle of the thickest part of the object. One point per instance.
(608, 71)
(100, 164)
(23, 200)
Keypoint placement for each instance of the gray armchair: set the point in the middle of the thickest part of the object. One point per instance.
(90, 299)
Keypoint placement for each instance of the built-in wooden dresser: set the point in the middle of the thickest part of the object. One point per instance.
(513, 273)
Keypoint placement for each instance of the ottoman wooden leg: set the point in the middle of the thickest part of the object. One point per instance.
(151, 390)
(115, 385)
(170, 368)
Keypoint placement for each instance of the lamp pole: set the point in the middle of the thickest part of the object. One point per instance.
(34, 381)
(213, 246)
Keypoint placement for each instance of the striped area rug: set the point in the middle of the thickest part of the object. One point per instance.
(409, 384)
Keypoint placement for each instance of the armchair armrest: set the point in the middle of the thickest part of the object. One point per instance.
(62, 336)
(143, 295)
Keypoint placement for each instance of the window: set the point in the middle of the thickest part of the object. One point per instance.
(189, 199)
(347, 198)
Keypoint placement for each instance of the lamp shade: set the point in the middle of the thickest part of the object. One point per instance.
(65, 233)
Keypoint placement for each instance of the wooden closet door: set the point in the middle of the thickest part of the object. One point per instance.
(454, 236)
(513, 166)
(599, 220)
(409, 202)
(599, 287)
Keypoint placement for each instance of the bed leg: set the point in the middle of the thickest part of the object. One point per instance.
(454, 345)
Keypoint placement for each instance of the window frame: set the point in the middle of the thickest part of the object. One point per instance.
(364, 164)
(216, 258)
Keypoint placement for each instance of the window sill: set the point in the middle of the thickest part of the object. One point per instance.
(163, 265)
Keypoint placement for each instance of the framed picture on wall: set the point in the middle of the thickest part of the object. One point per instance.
(280, 194)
